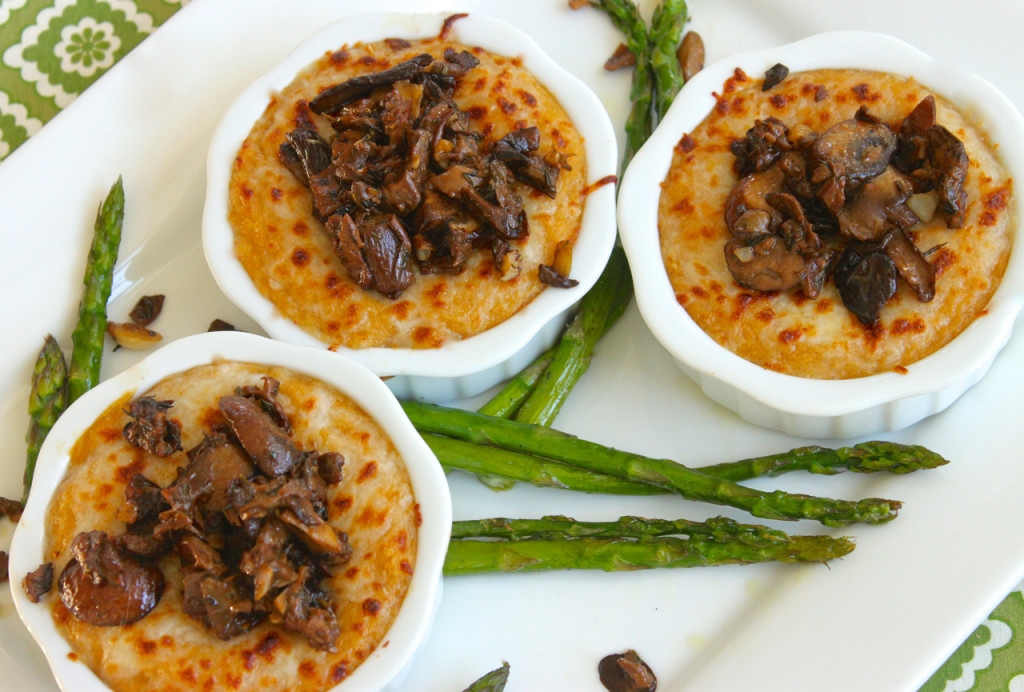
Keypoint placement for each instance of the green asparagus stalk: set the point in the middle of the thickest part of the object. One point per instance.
(46, 401)
(507, 401)
(499, 463)
(866, 457)
(494, 681)
(717, 528)
(84, 370)
(472, 556)
(666, 33)
(573, 353)
(564, 372)
(662, 473)
(490, 462)
(625, 15)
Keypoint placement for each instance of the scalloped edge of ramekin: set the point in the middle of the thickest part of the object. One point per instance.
(391, 658)
(460, 368)
(800, 406)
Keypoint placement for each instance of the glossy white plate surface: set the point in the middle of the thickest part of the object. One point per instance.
(881, 619)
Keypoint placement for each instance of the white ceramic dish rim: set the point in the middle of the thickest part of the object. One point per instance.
(496, 345)
(964, 359)
(413, 622)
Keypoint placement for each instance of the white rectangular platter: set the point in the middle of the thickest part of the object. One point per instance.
(881, 619)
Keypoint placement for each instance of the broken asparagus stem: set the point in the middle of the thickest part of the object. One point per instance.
(88, 336)
(46, 401)
(572, 355)
(493, 681)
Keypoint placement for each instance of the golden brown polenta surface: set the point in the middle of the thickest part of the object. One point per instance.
(167, 650)
(288, 254)
(787, 332)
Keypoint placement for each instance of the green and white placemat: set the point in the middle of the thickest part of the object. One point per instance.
(52, 50)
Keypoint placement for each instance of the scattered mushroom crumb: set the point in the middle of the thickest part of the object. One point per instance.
(626, 672)
(690, 55)
(147, 309)
(775, 74)
(622, 57)
(219, 325)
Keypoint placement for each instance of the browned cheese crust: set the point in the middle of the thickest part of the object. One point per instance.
(166, 650)
(787, 332)
(289, 255)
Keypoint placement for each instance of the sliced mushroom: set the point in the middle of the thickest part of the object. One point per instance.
(866, 280)
(401, 191)
(912, 266)
(375, 251)
(150, 428)
(856, 149)
(270, 447)
(516, 150)
(795, 229)
(333, 98)
(911, 142)
(764, 264)
(947, 158)
(816, 267)
(319, 536)
(870, 210)
(747, 211)
(105, 585)
(305, 153)
(761, 145)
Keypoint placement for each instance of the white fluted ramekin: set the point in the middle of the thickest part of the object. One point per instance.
(383, 669)
(800, 406)
(469, 366)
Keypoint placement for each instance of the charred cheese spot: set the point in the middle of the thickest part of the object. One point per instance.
(339, 673)
(367, 472)
(125, 473)
(686, 144)
(300, 257)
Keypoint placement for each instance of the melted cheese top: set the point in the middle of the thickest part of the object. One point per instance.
(288, 253)
(787, 332)
(167, 650)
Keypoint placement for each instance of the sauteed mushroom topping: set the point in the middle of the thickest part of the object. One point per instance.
(246, 517)
(405, 182)
(804, 199)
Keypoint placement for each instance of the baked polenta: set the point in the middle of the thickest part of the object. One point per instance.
(802, 327)
(390, 282)
(223, 646)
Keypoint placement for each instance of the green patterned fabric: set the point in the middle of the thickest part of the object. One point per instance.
(992, 659)
(51, 50)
